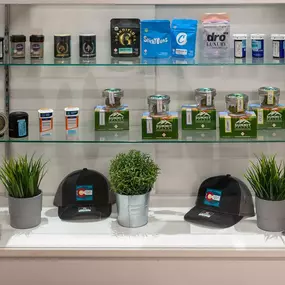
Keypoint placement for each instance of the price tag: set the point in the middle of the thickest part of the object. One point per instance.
(189, 117)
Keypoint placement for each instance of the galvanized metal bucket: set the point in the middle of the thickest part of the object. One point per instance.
(132, 210)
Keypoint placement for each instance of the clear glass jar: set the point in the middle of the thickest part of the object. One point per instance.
(113, 97)
(269, 96)
(158, 105)
(205, 97)
(236, 103)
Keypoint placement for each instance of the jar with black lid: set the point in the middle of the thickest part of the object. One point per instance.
(18, 46)
(18, 124)
(37, 46)
(87, 45)
(62, 46)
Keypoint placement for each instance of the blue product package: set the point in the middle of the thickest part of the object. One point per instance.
(183, 37)
(156, 41)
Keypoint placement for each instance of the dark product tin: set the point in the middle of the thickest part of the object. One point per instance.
(125, 37)
(62, 46)
(87, 45)
(18, 125)
(3, 124)
(1, 48)
(37, 46)
(18, 46)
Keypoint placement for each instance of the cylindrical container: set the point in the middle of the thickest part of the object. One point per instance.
(236, 103)
(278, 41)
(257, 45)
(158, 105)
(87, 45)
(269, 96)
(18, 124)
(240, 45)
(113, 97)
(37, 46)
(62, 46)
(3, 124)
(1, 48)
(18, 46)
(71, 119)
(45, 121)
(205, 97)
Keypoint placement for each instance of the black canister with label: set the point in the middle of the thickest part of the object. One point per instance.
(18, 124)
(37, 46)
(62, 46)
(18, 46)
(87, 45)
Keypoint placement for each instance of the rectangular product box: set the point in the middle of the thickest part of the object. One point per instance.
(160, 127)
(244, 126)
(109, 119)
(269, 118)
(193, 118)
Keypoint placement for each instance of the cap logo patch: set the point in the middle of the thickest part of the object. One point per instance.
(206, 214)
(84, 192)
(212, 197)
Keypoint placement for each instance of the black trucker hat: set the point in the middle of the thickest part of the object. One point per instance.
(222, 202)
(84, 194)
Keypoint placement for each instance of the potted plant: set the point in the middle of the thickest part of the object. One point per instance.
(267, 179)
(132, 176)
(22, 177)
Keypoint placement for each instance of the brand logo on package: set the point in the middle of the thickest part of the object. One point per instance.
(213, 197)
(84, 192)
(163, 126)
(181, 39)
(116, 118)
(243, 124)
(203, 117)
(155, 41)
(216, 40)
(274, 116)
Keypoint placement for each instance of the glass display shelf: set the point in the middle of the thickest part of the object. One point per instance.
(89, 135)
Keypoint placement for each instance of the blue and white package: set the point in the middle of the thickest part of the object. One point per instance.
(183, 37)
(156, 41)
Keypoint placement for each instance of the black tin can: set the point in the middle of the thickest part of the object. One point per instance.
(1, 48)
(62, 46)
(87, 45)
(37, 46)
(18, 46)
(18, 124)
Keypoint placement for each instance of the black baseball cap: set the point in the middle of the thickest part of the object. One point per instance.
(84, 194)
(222, 202)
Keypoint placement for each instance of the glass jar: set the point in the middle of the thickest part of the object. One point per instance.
(237, 103)
(18, 46)
(113, 97)
(158, 104)
(37, 46)
(269, 96)
(205, 97)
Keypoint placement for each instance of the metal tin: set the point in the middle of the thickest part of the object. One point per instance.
(18, 46)
(158, 104)
(278, 41)
(257, 45)
(87, 45)
(113, 97)
(37, 46)
(205, 97)
(3, 124)
(18, 124)
(236, 103)
(240, 45)
(269, 96)
(62, 46)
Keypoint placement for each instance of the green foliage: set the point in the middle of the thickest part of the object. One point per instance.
(267, 178)
(133, 173)
(22, 176)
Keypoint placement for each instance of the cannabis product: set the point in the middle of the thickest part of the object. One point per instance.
(3, 124)
(1, 48)
(278, 42)
(205, 97)
(216, 33)
(18, 46)
(257, 45)
(236, 103)
(18, 124)
(125, 37)
(156, 39)
(45, 121)
(269, 96)
(87, 45)
(113, 97)
(158, 105)
(37, 46)
(240, 45)
(62, 46)
(71, 119)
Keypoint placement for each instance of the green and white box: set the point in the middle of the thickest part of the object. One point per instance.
(160, 127)
(269, 118)
(244, 126)
(193, 118)
(110, 119)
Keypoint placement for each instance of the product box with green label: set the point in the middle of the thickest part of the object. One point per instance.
(160, 127)
(243, 126)
(269, 118)
(110, 119)
(193, 118)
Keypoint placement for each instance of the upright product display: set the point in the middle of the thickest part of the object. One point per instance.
(87, 45)
(45, 121)
(18, 46)
(240, 45)
(278, 44)
(62, 46)
(257, 45)
(37, 46)
(71, 119)
(18, 124)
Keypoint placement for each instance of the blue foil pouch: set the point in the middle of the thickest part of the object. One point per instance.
(183, 37)
(155, 38)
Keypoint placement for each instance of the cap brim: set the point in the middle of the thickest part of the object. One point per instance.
(210, 218)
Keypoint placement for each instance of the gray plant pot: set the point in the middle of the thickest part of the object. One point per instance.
(132, 210)
(270, 215)
(25, 213)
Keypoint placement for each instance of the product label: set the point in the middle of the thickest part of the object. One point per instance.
(84, 209)
(209, 100)
(260, 120)
(212, 197)
(88, 48)
(228, 124)
(276, 48)
(22, 128)
(102, 118)
(71, 122)
(84, 192)
(149, 129)
(270, 97)
(159, 106)
(240, 48)
(240, 105)
(46, 124)
(189, 117)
